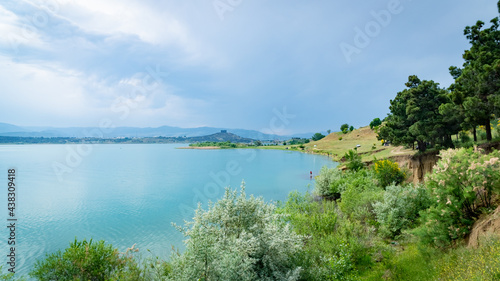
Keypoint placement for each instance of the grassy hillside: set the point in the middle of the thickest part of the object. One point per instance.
(363, 136)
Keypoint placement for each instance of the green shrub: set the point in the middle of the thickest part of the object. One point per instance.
(375, 123)
(325, 182)
(86, 260)
(400, 208)
(461, 185)
(238, 238)
(464, 137)
(359, 193)
(335, 246)
(353, 159)
(481, 134)
(344, 128)
(388, 172)
(358, 205)
(341, 265)
(309, 217)
(317, 136)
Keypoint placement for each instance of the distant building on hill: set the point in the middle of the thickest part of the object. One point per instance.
(223, 131)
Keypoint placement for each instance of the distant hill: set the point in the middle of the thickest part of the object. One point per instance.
(130, 132)
(5, 128)
(337, 144)
(221, 137)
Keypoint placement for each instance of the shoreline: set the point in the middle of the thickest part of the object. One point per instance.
(199, 147)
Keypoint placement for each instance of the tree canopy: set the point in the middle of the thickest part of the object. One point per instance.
(415, 116)
(344, 128)
(476, 91)
(375, 123)
(317, 136)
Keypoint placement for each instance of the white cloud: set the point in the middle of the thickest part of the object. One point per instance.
(113, 17)
(15, 32)
(174, 110)
(30, 89)
(49, 94)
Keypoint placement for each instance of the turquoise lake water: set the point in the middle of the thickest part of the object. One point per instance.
(130, 194)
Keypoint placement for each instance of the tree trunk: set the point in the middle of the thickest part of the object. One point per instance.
(488, 131)
(448, 142)
(474, 133)
(422, 146)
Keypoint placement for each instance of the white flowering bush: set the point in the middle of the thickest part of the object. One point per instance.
(400, 208)
(325, 182)
(461, 185)
(238, 238)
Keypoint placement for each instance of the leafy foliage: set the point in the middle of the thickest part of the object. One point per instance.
(344, 128)
(238, 238)
(359, 193)
(415, 116)
(477, 84)
(388, 172)
(307, 216)
(461, 184)
(353, 159)
(400, 208)
(334, 247)
(317, 136)
(326, 182)
(375, 123)
(87, 260)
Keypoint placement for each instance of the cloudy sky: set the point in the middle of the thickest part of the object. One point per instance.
(282, 66)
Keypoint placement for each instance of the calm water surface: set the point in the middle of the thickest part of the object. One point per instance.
(130, 194)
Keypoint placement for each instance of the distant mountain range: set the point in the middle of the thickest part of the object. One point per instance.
(222, 136)
(163, 131)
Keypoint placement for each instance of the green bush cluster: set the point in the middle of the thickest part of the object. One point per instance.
(224, 144)
(359, 193)
(325, 185)
(388, 172)
(238, 238)
(353, 160)
(334, 247)
(461, 186)
(87, 260)
(400, 208)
